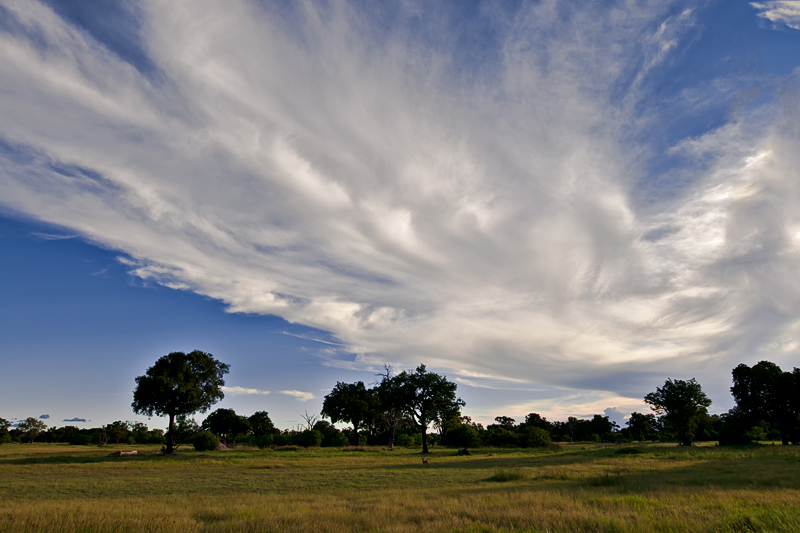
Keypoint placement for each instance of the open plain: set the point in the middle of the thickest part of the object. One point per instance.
(565, 488)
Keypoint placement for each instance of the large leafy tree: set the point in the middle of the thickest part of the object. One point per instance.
(764, 392)
(179, 383)
(352, 403)
(261, 424)
(426, 398)
(227, 424)
(682, 405)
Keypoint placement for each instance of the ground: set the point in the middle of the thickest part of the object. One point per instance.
(576, 487)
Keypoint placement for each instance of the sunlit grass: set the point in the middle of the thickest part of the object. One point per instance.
(571, 488)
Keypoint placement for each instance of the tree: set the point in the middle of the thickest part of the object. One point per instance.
(260, 424)
(31, 427)
(227, 424)
(4, 425)
(387, 391)
(642, 427)
(535, 420)
(186, 429)
(118, 430)
(348, 402)
(764, 392)
(681, 403)
(178, 384)
(426, 398)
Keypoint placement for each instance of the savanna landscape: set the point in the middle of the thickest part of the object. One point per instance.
(562, 488)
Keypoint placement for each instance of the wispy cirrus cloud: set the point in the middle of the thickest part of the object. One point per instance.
(492, 217)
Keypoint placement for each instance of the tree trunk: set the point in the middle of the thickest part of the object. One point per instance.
(784, 437)
(424, 435)
(171, 435)
(355, 431)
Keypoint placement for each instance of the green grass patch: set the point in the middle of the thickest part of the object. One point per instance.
(579, 487)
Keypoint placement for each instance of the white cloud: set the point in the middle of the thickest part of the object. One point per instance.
(300, 395)
(785, 12)
(485, 223)
(240, 391)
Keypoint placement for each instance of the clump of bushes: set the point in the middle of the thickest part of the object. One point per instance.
(205, 441)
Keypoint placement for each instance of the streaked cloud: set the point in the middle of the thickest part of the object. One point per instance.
(495, 220)
(44, 417)
(786, 12)
(239, 391)
(300, 395)
(76, 419)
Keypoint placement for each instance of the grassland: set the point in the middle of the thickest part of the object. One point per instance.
(58, 488)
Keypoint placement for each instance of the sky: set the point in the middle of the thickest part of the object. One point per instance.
(558, 205)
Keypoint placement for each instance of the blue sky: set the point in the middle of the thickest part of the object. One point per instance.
(558, 205)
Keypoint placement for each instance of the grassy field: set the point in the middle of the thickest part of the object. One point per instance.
(658, 487)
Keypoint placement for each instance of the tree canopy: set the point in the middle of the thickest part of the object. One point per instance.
(426, 398)
(682, 404)
(31, 427)
(765, 392)
(179, 383)
(349, 402)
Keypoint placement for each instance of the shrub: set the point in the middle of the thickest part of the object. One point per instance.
(205, 441)
(463, 451)
(309, 437)
(537, 438)
(404, 440)
(263, 442)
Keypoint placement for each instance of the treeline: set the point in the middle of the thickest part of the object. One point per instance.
(401, 408)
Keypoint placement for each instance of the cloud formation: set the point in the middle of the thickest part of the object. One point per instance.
(76, 419)
(237, 391)
(44, 417)
(493, 218)
(300, 395)
(785, 12)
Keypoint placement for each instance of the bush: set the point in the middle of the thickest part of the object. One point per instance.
(263, 442)
(537, 438)
(404, 440)
(205, 441)
(309, 437)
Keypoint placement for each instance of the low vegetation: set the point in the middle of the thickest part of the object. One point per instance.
(561, 488)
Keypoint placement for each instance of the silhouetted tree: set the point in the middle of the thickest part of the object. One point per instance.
(348, 402)
(31, 427)
(764, 392)
(426, 398)
(642, 426)
(681, 403)
(260, 424)
(227, 424)
(179, 383)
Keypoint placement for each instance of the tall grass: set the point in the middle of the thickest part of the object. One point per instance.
(665, 489)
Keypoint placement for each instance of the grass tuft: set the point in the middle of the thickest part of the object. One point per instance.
(503, 475)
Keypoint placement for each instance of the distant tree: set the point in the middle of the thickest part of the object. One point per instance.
(227, 424)
(4, 425)
(350, 403)
(177, 384)
(535, 420)
(505, 421)
(260, 424)
(117, 431)
(764, 392)
(535, 437)
(186, 428)
(31, 427)
(426, 398)
(681, 403)
(642, 426)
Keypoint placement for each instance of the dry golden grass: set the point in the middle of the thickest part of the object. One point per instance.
(575, 488)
